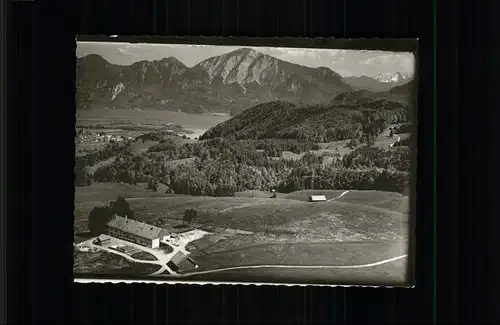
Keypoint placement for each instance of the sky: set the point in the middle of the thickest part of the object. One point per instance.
(345, 62)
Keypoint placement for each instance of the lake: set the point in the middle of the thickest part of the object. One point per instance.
(197, 124)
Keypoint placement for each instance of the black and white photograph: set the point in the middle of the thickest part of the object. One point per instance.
(244, 164)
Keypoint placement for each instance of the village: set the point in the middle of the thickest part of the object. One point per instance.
(89, 136)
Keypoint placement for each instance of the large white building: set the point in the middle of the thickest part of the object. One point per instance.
(134, 231)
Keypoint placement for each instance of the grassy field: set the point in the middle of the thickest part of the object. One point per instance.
(103, 163)
(255, 214)
(101, 194)
(139, 147)
(303, 195)
(332, 220)
(102, 262)
(393, 273)
(401, 204)
(255, 194)
(300, 254)
(176, 162)
(144, 256)
(364, 227)
(105, 192)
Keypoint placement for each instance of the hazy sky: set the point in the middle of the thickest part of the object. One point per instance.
(345, 62)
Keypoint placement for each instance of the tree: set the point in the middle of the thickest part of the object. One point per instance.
(153, 184)
(121, 208)
(98, 218)
(189, 215)
(82, 177)
(225, 190)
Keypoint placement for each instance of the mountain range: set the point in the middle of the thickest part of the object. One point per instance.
(228, 83)
(380, 82)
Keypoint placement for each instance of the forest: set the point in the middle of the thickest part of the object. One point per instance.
(224, 166)
(339, 120)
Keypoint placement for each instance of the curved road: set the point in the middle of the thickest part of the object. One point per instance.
(161, 260)
(333, 267)
(338, 197)
(392, 144)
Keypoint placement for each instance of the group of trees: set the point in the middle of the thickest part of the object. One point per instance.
(83, 177)
(189, 215)
(334, 178)
(222, 167)
(397, 158)
(110, 150)
(99, 216)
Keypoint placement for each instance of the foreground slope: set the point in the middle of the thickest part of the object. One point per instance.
(249, 232)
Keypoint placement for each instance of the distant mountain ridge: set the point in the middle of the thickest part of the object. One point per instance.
(226, 83)
(380, 82)
(392, 77)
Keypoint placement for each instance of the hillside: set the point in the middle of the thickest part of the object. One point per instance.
(227, 83)
(367, 83)
(341, 119)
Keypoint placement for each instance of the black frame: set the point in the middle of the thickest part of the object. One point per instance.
(393, 45)
(42, 65)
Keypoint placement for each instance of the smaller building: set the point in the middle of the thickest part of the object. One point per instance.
(103, 240)
(181, 262)
(317, 198)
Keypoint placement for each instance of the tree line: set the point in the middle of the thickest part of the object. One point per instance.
(222, 167)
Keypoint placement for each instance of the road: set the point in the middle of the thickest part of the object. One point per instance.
(338, 197)
(392, 144)
(162, 259)
(331, 267)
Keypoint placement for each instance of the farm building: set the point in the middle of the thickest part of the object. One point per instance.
(134, 231)
(181, 262)
(102, 240)
(317, 198)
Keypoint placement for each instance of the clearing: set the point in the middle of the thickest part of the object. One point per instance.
(105, 192)
(305, 254)
(393, 272)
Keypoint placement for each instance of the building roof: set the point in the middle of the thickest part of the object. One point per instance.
(103, 237)
(134, 227)
(317, 198)
(178, 258)
(182, 261)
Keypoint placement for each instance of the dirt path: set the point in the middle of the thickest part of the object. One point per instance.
(333, 267)
(162, 259)
(392, 144)
(338, 197)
